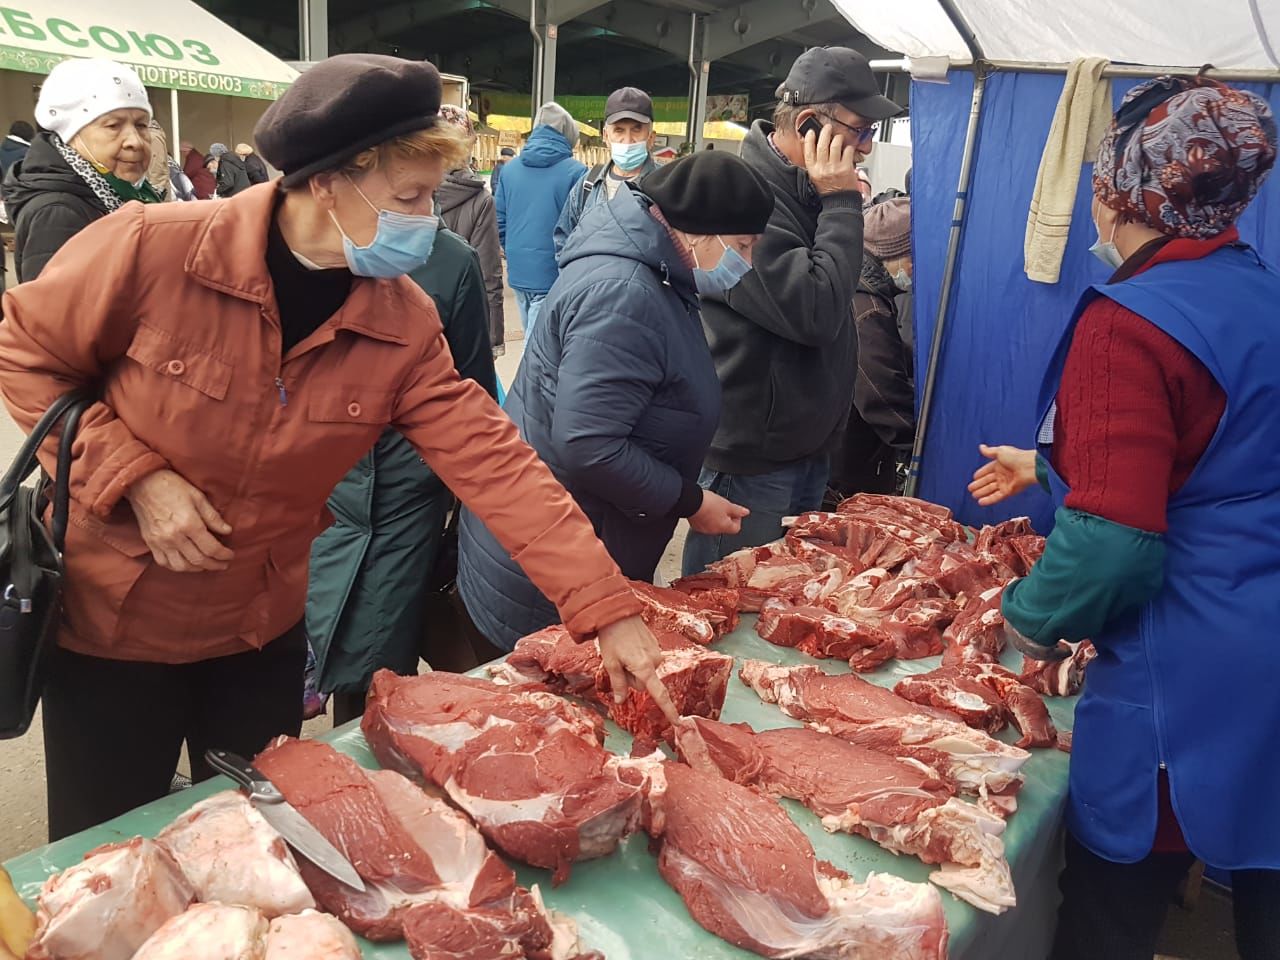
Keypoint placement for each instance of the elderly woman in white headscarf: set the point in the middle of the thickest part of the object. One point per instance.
(90, 157)
(531, 194)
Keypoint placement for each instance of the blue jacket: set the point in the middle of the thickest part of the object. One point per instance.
(618, 393)
(531, 193)
(1188, 683)
(591, 189)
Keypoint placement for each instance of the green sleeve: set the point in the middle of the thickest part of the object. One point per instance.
(1093, 573)
(1042, 472)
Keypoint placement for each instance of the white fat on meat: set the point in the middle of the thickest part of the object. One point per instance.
(979, 874)
(310, 935)
(209, 931)
(105, 907)
(232, 855)
(886, 918)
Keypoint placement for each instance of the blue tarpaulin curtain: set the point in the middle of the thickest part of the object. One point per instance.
(1003, 327)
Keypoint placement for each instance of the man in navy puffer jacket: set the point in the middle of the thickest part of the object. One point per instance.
(531, 194)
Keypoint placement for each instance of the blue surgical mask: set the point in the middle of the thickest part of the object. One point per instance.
(1105, 250)
(401, 244)
(629, 156)
(725, 275)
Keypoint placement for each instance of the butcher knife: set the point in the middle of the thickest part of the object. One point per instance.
(297, 831)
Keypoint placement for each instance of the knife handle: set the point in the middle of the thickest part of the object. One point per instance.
(245, 774)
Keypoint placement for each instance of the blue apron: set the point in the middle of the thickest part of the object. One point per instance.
(1191, 682)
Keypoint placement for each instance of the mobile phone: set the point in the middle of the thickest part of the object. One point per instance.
(812, 125)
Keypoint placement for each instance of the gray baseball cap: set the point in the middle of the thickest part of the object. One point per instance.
(629, 103)
(836, 75)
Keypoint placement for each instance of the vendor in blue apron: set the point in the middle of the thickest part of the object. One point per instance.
(1160, 443)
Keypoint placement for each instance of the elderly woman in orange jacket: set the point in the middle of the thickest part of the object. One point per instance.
(247, 354)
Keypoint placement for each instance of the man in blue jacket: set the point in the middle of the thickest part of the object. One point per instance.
(531, 194)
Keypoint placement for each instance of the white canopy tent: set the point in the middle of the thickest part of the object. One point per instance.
(1239, 38)
(1230, 34)
(174, 45)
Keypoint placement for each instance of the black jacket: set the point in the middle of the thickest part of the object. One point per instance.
(255, 169)
(617, 393)
(11, 151)
(232, 177)
(783, 338)
(882, 422)
(48, 204)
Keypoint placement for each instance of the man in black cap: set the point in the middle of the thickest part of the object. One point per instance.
(504, 156)
(783, 339)
(628, 129)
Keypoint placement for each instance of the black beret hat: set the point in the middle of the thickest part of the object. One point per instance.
(344, 105)
(711, 192)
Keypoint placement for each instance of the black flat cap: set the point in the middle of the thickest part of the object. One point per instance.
(836, 75)
(344, 105)
(711, 192)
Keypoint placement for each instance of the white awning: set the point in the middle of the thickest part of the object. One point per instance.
(1230, 34)
(172, 43)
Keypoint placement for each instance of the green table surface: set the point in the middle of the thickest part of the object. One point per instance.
(626, 910)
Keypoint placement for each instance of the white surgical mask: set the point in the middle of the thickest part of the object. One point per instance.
(1106, 251)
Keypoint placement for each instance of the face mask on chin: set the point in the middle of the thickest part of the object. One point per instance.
(725, 275)
(1106, 250)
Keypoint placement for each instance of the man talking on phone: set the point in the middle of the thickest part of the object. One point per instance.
(783, 338)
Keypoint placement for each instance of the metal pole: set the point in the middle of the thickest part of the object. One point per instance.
(699, 75)
(174, 127)
(953, 242)
(544, 54)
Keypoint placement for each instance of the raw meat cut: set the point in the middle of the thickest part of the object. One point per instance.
(437, 931)
(1062, 678)
(310, 936)
(854, 595)
(896, 803)
(702, 617)
(952, 688)
(916, 627)
(977, 634)
(106, 907)
(747, 874)
(232, 855)
(409, 848)
(696, 678)
(817, 631)
(527, 766)
(209, 931)
(1023, 705)
(871, 716)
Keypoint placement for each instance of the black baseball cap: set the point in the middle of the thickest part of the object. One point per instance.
(629, 103)
(836, 75)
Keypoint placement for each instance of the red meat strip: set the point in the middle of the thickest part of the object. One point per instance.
(894, 803)
(703, 617)
(953, 688)
(410, 849)
(438, 931)
(1022, 704)
(748, 875)
(977, 634)
(1062, 678)
(861, 712)
(527, 766)
(817, 631)
(696, 678)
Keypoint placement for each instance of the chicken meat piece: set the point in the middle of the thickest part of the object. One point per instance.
(106, 907)
(232, 855)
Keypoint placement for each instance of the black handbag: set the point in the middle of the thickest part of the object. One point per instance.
(31, 565)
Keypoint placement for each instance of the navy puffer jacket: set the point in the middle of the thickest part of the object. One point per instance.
(618, 393)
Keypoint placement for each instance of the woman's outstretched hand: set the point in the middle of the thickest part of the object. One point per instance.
(1010, 472)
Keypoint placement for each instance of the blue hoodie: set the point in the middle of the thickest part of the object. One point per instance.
(531, 194)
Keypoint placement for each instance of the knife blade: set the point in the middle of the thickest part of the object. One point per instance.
(296, 829)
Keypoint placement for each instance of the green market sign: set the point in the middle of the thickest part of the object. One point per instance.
(33, 43)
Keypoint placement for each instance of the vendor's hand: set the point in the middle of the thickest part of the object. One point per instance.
(718, 515)
(831, 164)
(178, 523)
(631, 657)
(1010, 472)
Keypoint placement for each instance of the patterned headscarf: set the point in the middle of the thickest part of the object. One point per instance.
(450, 113)
(1186, 155)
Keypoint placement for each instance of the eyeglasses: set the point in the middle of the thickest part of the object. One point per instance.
(861, 134)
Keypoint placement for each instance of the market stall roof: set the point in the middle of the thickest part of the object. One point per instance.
(1230, 34)
(175, 44)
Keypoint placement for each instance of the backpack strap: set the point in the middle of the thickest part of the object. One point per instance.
(594, 176)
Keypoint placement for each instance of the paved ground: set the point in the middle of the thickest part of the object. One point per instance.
(1203, 934)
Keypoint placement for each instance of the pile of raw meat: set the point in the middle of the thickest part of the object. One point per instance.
(892, 577)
